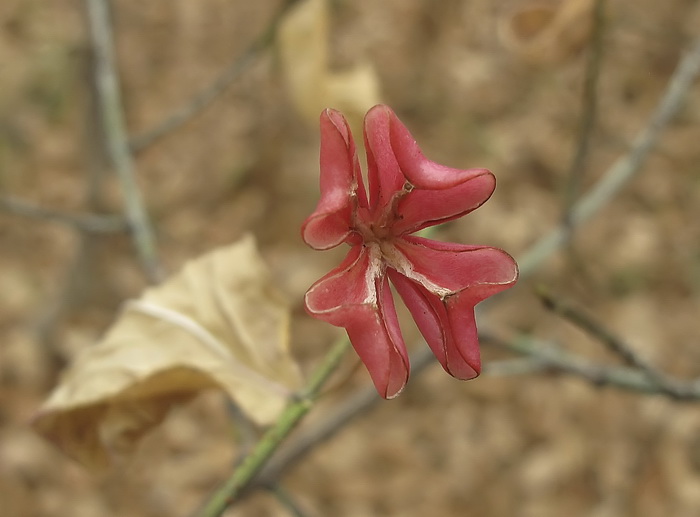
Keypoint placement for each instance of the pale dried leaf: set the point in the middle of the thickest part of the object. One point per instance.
(303, 46)
(218, 323)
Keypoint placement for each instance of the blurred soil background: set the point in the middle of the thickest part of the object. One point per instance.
(480, 84)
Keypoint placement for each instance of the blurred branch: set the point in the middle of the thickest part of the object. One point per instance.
(632, 379)
(595, 329)
(91, 223)
(242, 476)
(112, 118)
(588, 115)
(359, 403)
(624, 168)
(205, 97)
(79, 274)
(286, 500)
(539, 358)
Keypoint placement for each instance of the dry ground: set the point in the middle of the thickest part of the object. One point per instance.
(474, 95)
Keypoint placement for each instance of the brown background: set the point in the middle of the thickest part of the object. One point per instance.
(467, 79)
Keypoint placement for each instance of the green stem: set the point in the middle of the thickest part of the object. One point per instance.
(270, 441)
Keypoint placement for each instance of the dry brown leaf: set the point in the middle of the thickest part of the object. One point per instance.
(303, 46)
(218, 323)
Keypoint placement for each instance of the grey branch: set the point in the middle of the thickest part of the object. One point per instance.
(209, 94)
(625, 168)
(91, 223)
(597, 330)
(113, 125)
(632, 379)
(589, 112)
(538, 358)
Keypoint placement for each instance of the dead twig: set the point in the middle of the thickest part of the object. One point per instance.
(210, 93)
(632, 379)
(91, 223)
(597, 330)
(588, 115)
(114, 129)
(539, 358)
(625, 168)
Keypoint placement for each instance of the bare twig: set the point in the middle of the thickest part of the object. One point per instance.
(240, 479)
(77, 279)
(112, 118)
(361, 402)
(632, 379)
(91, 223)
(594, 328)
(336, 418)
(539, 358)
(209, 94)
(286, 500)
(588, 115)
(624, 168)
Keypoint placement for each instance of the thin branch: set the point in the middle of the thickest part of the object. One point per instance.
(538, 360)
(91, 223)
(336, 418)
(241, 477)
(589, 113)
(286, 500)
(624, 168)
(79, 273)
(594, 328)
(112, 118)
(361, 402)
(209, 94)
(632, 379)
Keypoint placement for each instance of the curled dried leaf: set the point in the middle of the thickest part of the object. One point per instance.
(218, 323)
(303, 39)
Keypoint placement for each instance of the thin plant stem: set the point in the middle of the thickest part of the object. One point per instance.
(588, 115)
(202, 99)
(114, 128)
(585, 322)
(286, 500)
(230, 490)
(630, 379)
(92, 223)
(625, 168)
(366, 399)
(595, 329)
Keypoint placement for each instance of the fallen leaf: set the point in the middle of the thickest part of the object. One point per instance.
(303, 38)
(218, 323)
